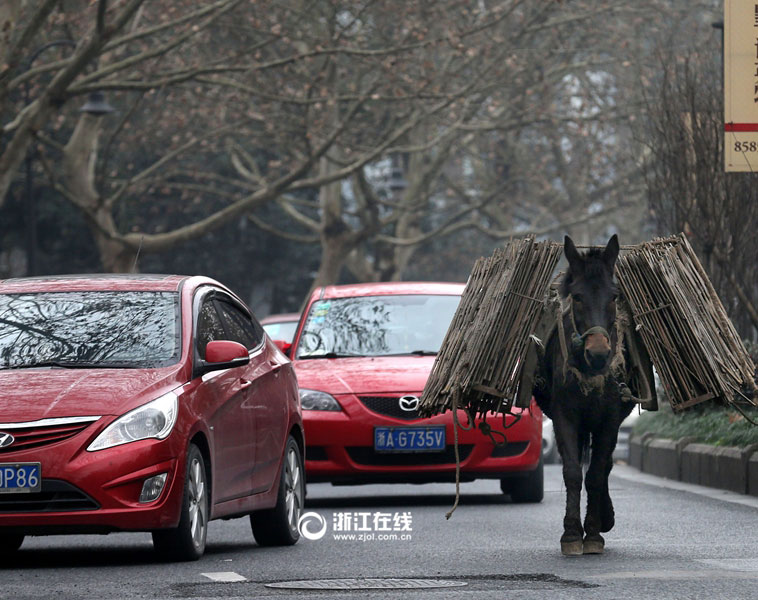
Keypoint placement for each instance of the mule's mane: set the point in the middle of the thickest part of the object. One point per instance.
(594, 267)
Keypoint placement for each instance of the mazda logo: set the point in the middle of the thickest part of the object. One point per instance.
(6, 439)
(409, 403)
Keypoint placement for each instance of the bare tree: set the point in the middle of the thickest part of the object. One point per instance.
(688, 188)
(531, 135)
(127, 45)
(508, 116)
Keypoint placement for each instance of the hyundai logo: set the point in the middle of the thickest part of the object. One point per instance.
(409, 403)
(6, 439)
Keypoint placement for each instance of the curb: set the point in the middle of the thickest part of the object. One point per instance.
(723, 467)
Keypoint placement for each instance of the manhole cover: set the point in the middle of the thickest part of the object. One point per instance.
(365, 584)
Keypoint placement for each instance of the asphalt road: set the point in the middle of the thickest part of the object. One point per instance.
(671, 541)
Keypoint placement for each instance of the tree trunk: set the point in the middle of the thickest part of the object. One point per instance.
(79, 158)
(333, 256)
(337, 239)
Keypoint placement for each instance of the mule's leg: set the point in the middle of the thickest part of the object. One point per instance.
(596, 482)
(607, 516)
(567, 437)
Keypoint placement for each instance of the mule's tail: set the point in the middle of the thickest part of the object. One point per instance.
(584, 449)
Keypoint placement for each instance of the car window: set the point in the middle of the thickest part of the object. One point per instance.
(209, 326)
(377, 325)
(239, 326)
(89, 329)
(281, 331)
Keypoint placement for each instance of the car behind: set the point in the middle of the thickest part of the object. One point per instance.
(362, 355)
(281, 328)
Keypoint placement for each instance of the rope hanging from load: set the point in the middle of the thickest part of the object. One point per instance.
(456, 426)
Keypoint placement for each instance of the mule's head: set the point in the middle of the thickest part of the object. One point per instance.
(589, 282)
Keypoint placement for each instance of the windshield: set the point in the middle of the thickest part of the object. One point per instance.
(376, 326)
(89, 329)
(281, 331)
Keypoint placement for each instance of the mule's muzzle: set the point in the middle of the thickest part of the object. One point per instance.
(597, 350)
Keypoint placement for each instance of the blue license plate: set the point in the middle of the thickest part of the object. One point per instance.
(20, 477)
(409, 439)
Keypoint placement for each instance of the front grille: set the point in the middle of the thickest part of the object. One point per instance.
(55, 496)
(365, 455)
(34, 436)
(388, 406)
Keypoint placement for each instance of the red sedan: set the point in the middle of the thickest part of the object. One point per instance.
(362, 356)
(143, 403)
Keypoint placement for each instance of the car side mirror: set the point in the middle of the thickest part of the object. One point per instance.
(283, 346)
(222, 354)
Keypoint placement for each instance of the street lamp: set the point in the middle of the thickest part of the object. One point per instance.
(96, 105)
(720, 26)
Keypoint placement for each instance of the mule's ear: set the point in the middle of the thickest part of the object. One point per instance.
(611, 252)
(572, 254)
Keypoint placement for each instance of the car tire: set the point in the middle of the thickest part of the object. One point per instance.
(10, 542)
(187, 541)
(551, 457)
(526, 489)
(278, 526)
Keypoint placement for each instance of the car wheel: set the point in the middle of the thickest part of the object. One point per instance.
(10, 542)
(526, 489)
(551, 457)
(187, 541)
(278, 526)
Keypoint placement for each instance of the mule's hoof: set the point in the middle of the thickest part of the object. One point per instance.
(593, 547)
(572, 548)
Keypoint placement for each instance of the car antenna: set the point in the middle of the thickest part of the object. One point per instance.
(136, 256)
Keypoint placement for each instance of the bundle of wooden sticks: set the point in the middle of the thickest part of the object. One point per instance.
(507, 303)
(695, 348)
(482, 356)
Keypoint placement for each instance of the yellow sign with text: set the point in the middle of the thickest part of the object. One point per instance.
(741, 85)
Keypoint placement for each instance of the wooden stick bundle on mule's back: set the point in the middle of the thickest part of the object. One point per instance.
(483, 354)
(697, 352)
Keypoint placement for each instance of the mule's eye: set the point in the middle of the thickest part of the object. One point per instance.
(578, 298)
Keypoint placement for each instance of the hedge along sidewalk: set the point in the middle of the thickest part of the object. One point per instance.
(724, 467)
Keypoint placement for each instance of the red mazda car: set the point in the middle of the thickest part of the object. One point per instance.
(362, 356)
(143, 403)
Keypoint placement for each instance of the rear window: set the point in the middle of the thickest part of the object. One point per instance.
(376, 326)
(89, 329)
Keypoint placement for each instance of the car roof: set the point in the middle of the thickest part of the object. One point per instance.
(393, 288)
(96, 282)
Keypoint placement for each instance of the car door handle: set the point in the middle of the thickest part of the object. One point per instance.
(275, 366)
(245, 383)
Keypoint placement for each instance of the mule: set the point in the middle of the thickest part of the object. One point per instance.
(580, 390)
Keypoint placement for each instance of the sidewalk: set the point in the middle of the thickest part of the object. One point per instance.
(628, 473)
(720, 467)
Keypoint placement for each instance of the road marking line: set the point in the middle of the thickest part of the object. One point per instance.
(675, 575)
(224, 577)
(747, 565)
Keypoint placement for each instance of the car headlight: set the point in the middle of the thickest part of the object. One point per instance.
(314, 400)
(152, 420)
